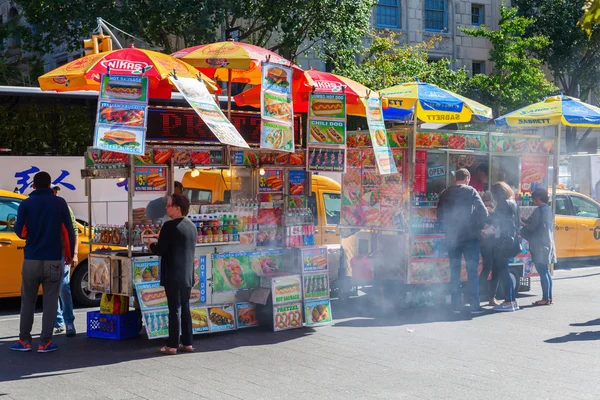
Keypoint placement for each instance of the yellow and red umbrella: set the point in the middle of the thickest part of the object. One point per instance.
(232, 61)
(84, 73)
(322, 82)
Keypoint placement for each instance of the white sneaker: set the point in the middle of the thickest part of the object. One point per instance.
(506, 307)
(515, 306)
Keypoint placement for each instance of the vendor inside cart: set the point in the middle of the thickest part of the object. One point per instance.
(157, 208)
(479, 178)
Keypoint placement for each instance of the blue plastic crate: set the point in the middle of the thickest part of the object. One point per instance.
(115, 327)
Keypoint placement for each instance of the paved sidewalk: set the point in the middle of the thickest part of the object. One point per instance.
(537, 353)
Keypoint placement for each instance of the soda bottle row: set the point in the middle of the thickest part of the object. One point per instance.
(216, 228)
(423, 199)
(299, 227)
(524, 199)
(425, 225)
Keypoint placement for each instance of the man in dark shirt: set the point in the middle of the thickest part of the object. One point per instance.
(176, 245)
(44, 221)
(463, 214)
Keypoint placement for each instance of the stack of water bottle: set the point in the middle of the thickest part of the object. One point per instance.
(299, 227)
(217, 227)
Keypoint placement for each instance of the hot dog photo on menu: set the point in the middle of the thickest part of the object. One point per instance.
(133, 88)
(151, 295)
(327, 132)
(327, 105)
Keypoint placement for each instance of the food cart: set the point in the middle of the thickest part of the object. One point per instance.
(390, 233)
(256, 250)
(374, 243)
(255, 258)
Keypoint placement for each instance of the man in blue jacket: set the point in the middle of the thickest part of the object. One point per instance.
(43, 220)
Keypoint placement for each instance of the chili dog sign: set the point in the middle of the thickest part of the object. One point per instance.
(327, 119)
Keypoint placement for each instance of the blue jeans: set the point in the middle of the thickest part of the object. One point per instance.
(65, 314)
(470, 250)
(501, 264)
(545, 279)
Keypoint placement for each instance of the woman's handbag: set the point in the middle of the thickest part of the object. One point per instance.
(509, 242)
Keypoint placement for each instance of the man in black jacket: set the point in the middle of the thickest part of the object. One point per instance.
(176, 245)
(463, 213)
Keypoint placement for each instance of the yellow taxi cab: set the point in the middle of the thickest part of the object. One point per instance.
(577, 226)
(210, 187)
(11, 254)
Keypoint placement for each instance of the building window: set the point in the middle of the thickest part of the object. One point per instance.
(387, 14)
(436, 17)
(478, 67)
(477, 14)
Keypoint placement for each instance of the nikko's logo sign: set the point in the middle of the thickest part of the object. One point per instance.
(133, 67)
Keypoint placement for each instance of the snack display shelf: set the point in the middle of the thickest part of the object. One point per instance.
(373, 228)
(215, 244)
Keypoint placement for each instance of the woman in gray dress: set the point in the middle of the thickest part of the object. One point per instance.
(538, 230)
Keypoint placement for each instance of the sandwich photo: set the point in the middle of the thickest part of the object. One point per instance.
(123, 90)
(154, 297)
(374, 113)
(275, 108)
(220, 317)
(247, 317)
(274, 182)
(327, 107)
(120, 138)
(277, 76)
(199, 318)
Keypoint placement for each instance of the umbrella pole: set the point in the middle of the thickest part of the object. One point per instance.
(229, 94)
(555, 171)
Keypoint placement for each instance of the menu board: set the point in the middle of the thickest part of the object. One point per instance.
(317, 312)
(203, 103)
(220, 318)
(420, 181)
(370, 199)
(288, 316)
(156, 323)
(151, 295)
(245, 314)
(508, 144)
(242, 270)
(534, 173)
(271, 181)
(199, 320)
(122, 114)
(379, 138)
(326, 159)
(286, 289)
(146, 270)
(314, 260)
(327, 119)
(277, 108)
(150, 179)
(315, 285)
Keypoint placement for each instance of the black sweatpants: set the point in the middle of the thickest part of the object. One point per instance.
(180, 319)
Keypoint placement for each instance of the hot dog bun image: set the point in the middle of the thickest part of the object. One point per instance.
(325, 107)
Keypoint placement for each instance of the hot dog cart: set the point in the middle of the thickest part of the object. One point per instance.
(404, 246)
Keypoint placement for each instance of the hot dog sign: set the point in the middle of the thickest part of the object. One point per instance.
(327, 119)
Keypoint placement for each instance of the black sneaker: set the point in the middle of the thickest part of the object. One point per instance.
(71, 330)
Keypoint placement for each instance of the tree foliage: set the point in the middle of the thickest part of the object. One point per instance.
(517, 79)
(573, 56)
(334, 27)
(591, 15)
(385, 63)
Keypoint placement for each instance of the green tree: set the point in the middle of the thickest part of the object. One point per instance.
(333, 27)
(517, 79)
(385, 63)
(573, 55)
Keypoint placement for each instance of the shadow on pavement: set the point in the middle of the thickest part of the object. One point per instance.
(83, 352)
(369, 311)
(575, 337)
(592, 322)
